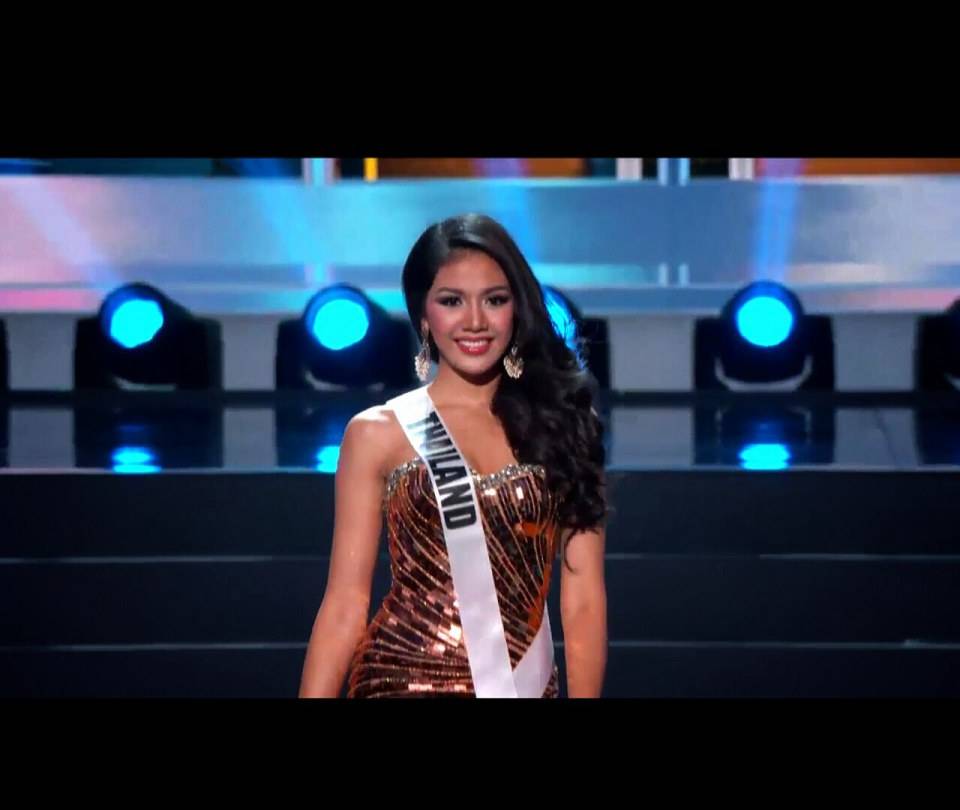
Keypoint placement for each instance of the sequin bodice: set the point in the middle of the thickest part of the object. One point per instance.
(414, 644)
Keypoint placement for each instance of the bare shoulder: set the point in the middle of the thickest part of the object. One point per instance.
(374, 422)
(376, 433)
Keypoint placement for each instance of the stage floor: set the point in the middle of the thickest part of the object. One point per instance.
(643, 432)
(761, 547)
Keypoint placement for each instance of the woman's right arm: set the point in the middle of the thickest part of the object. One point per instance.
(342, 617)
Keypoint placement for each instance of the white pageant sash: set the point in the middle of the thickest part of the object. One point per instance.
(470, 567)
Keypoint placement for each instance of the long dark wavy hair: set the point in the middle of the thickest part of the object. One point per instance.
(547, 414)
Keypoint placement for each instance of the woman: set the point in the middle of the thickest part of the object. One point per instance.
(506, 442)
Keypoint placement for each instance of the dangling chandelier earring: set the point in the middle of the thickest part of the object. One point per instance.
(513, 363)
(422, 361)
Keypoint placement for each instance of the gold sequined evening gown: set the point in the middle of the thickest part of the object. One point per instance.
(414, 645)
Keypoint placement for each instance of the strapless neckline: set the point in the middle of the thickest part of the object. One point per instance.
(487, 478)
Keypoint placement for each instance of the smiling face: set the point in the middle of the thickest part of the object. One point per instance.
(469, 312)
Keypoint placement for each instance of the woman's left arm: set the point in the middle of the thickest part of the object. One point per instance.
(583, 611)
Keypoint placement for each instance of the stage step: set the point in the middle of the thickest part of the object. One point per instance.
(693, 511)
(643, 670)
(670, 598)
